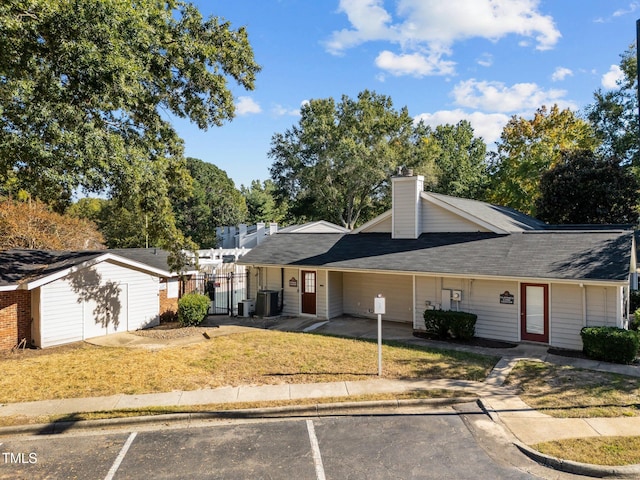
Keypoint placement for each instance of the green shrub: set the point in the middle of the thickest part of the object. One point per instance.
(442, 324)
(634, 321)
(463, 325)
(610, 344)
(634, 300)
(192, 308)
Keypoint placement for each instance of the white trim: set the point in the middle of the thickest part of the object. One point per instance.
(89, 263)
(9, 288)
(604, 283)
(461, 213)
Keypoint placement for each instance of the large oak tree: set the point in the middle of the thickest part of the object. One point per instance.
(85, 89)
(530, 147)
(336, 163)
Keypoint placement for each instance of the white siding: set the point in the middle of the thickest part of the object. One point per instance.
(383, 226)
(601, 306)
(336, 283)
(62, 316)
(272, 280)
(436, 219)
(495, 320)
(142, 293)
(406, 204)
(359, 290)
(291, 294)
(321, 294)
(482, 297)
(68, 305)
(565, 316)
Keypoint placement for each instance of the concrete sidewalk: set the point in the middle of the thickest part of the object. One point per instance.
(527, 425)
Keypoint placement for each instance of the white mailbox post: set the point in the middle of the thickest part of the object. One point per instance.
(379, 309)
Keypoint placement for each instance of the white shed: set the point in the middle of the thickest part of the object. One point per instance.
(80, 295)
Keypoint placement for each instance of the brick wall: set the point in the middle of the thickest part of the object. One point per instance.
(15, 318)
(168, 306)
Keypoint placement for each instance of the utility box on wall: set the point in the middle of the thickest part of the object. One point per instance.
(446, 300)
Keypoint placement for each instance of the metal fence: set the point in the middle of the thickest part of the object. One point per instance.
(226, 287)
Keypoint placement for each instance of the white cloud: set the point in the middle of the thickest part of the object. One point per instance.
(247, 105)
(414, 64)
(561, 73)
(610, 79)
(281, 111)
(497, 97)
(485, 60)
(432, 27)
(486, 125)
(633, 6)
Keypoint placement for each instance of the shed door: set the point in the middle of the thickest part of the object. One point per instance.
(309, 292)
(534, 312)
(107, 311)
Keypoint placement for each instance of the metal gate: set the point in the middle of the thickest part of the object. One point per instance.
(226, 287)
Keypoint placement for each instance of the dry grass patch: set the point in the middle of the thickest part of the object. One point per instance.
(254, 358)
(609, 451)
(570, 392)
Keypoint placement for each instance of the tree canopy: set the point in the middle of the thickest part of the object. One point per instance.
(84, 87)
(528, 148)
(336, 163)
(32, 225)
(459, 160)
(584, 188)
(614, 114)
(262, 204)
(215, 203)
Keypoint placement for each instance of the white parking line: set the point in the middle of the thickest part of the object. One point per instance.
(315, 450)
(120, 457)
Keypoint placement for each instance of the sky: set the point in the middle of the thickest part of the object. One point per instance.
(445, 60)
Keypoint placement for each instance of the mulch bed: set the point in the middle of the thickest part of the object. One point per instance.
(474, 342)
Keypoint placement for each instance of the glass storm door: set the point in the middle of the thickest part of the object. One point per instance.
(309, 292)
(534, 308)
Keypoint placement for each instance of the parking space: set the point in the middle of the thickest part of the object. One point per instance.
(436, 445)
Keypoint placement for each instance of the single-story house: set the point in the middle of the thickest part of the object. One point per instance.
(51, 298)
(526, 281)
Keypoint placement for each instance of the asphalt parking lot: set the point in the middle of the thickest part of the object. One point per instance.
(430, 445)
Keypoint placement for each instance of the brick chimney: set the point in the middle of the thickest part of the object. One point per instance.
(406, 215)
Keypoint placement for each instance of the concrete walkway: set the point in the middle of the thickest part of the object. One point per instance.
(501, 402)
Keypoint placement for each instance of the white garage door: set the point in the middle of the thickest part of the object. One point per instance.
(108, 315)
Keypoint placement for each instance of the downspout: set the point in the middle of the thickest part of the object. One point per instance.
(584, 305)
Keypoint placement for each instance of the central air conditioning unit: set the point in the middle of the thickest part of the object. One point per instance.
(456, 295)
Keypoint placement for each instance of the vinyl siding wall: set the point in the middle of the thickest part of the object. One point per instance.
(381, 227)
(65, 307)
(359, 290)
(437, 219)
(336, 286)
(482, 297)
(495, 320)
(405, 213)
(291, 294)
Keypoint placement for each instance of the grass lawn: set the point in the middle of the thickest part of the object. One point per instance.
(569, 392)
(254, 358)
(611, 451)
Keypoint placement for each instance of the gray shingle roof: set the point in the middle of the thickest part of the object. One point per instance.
(505, 218)
(569, 255)
(20, 265)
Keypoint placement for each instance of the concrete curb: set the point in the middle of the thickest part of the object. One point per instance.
(318, 409)
(577, 468)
